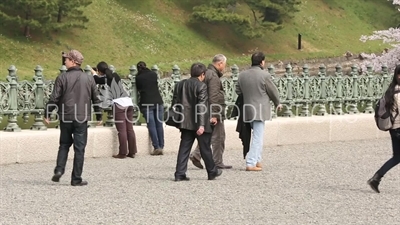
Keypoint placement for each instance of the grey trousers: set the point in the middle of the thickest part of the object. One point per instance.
(217, 144)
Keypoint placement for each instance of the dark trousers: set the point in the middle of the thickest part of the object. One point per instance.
(124, 125)
(187, 139)
(154, 116)
(395, 136)
(72, 133)
(217, 143)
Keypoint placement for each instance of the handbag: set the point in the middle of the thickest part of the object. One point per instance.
(174, 117)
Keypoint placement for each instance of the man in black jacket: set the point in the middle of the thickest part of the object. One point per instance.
(193, 101)
(72, 96)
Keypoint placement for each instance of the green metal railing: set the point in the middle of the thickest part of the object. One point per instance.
(302, 95)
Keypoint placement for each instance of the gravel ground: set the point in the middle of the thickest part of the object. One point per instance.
(321, 183)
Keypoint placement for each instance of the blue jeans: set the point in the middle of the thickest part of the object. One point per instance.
(154, 115)
(256, 146)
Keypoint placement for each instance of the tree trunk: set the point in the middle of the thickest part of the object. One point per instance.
(59, 15)
(27, 28)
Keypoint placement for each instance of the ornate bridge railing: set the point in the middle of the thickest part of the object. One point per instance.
(302, 95)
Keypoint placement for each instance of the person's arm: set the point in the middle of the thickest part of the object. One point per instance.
(214, 86)
(99, 79)
(54, 97)
(272, 90)
(202, 107)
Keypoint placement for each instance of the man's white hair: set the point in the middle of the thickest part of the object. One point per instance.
(219, 58)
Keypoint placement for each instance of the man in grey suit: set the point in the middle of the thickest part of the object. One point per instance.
(258, 89)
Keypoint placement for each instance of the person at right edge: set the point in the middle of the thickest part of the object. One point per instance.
(216, 97)
(195, 122)
(392, 98)
(258, 89)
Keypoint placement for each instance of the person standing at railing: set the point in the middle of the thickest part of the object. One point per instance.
(216, 98)
(114, 95)
(392, 98)
(151, 105)
(74, 92)
(258, 89)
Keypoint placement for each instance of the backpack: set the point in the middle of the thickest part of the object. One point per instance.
(383, 117)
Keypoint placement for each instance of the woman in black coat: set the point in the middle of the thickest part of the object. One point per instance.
(151, 105)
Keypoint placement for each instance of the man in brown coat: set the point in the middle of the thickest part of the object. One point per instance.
(217, 101)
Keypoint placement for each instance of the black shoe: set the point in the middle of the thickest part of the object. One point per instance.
(374, 182)
(217, 174)
(56, 177)
(185, 178)
(82, 183)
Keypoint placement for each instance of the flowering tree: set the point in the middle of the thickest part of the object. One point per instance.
(392, 56)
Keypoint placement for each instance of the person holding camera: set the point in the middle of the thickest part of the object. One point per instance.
(114, 95)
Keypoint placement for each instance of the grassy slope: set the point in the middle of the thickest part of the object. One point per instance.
(123, 32)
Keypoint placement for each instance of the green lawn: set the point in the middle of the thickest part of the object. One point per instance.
(123, 32)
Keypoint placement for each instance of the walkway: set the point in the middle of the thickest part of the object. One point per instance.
(301, 184)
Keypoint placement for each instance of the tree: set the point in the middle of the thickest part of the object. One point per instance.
(392, 56)
(43, 15)
(73, 11)
(265, 14)
(28, 14)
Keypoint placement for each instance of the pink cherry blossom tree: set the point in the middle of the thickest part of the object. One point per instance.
(392, 56)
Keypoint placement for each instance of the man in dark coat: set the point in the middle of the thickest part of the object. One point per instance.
(194, 108)
(73, 94)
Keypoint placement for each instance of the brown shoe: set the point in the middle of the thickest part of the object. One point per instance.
(131, 155)
(196, 162)
(250, 168)
(160, 151)
(119, 156)
(259, 165)
(153, 152)
(224, 167)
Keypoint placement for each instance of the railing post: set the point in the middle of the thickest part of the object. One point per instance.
(235, 77)
(155, 69)
(339, 92)
(322, 98)
(289, 78)
(353, 105)
(176, 74)
(306, 78)
(39, 102)
(112, 68)
(63, 69)
(271, 70)
(370, 91)
(91, 123)
(12, 111)
(134, 94)
(385, 76)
